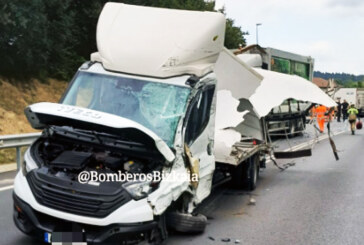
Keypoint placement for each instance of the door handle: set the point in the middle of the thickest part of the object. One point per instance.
(209, 148)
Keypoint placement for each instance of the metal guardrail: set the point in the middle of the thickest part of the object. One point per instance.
(17, 141)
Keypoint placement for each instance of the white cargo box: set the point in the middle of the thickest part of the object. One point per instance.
(158, 42)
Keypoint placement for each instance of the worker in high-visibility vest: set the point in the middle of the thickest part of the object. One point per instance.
(320, 115)
(352, 112)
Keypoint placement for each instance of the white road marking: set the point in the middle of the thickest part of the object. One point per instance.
(6, 188)
(7, 181)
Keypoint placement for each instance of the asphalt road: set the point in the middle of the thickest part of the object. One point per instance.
(316, 201)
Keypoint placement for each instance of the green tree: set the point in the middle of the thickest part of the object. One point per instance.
(234, 36)
(23, 38)
(52, 38)
(351, 84)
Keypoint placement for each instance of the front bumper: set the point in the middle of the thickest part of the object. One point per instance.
(131, 212)
(36, 224)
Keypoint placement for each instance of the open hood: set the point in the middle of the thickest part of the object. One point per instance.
(43, 114)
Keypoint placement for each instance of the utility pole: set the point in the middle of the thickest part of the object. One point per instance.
(256, 30)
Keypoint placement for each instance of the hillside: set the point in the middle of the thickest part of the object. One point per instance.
(14, 97)
(342, 78)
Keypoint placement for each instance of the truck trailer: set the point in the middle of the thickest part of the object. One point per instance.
(290, 116)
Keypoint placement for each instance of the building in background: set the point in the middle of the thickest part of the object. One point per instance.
(352, 96)
(330, 87)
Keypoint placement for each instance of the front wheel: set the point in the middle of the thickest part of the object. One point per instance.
(186, 223)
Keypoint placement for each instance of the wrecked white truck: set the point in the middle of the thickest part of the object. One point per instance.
(142, 109)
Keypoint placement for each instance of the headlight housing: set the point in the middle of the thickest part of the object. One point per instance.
(138, 189)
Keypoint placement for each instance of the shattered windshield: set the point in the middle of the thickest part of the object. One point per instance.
(156, 106)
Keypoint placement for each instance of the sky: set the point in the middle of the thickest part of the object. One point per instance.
(330, 31)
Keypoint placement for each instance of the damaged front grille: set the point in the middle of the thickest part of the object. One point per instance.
(73, 197)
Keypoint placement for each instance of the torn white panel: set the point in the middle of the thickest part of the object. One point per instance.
(236, 76)
(224, 140)
(170, 188)
(203, 190)
(251, 126)
(227, 114)
(277, 87)
(227, 118)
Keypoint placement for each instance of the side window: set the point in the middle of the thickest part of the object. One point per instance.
(199, 115)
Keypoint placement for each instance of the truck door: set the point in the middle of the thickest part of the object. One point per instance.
(199, 137)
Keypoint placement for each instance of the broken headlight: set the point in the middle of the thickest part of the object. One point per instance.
(138, 189)
(28, 163)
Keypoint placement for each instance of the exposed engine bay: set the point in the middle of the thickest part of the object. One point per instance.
(68, 151)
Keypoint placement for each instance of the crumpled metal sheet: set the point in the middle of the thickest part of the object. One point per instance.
(227, 118)
(277, 87)
(227, 114)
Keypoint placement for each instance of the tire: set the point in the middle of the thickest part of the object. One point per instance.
(262, 164)
(186, 223)
(252, 173)
(237, 176)
(246, 174)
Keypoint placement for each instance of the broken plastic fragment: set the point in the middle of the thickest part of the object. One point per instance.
(211, 238)
(224, 140)
(252, 201)
(225, 239)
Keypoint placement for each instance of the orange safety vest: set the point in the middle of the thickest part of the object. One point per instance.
(320, 111)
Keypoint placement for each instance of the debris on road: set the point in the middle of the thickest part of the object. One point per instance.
(252, 201)
(211, 238)
(239, 213)
(225, 239)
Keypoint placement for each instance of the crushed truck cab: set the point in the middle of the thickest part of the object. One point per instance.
(176, 115)
(134, 109)
(85, 133)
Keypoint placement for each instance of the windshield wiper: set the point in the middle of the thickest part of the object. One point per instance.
(97, 136)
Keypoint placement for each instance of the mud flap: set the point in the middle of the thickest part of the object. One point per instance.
(332, 143)
(293, 154)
